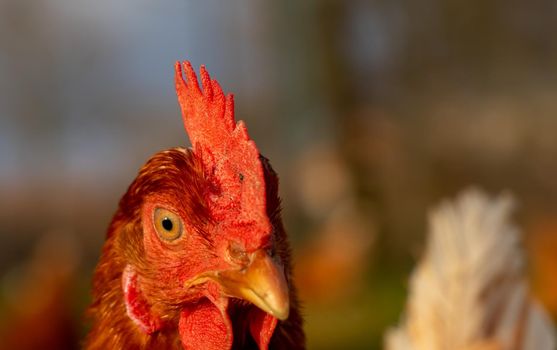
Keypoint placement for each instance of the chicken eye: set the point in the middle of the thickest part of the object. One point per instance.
(167, 224)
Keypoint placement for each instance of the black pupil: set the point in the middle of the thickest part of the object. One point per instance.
(167, 224)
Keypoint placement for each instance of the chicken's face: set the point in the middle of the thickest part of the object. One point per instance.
(205, 258)
(182, 264)
(201, 249)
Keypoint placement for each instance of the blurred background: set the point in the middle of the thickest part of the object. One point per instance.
(371, 112)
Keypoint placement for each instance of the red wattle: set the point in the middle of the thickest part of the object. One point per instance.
(261, 326)
(203, 326)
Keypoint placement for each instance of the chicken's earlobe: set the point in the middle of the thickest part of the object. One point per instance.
(137, 307)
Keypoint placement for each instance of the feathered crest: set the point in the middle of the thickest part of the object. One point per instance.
(230, 158)
(469, 291)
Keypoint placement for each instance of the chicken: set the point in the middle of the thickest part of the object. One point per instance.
(196, 256)
(469, 291)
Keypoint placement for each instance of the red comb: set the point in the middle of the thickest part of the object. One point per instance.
(230, 158)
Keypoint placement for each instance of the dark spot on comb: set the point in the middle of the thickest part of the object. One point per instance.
(241, 177)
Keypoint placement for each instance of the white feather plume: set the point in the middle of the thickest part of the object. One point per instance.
(469, 290)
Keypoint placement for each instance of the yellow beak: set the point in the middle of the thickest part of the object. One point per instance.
(261, 282)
